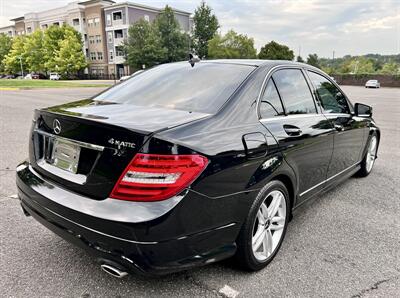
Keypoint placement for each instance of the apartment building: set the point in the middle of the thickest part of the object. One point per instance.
(119, 17)
(103, 25)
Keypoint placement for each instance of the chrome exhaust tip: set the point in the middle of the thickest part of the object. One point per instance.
(113, 271)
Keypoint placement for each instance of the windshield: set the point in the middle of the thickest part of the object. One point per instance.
(203, 88)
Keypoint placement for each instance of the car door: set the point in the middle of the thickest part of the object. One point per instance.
(288, 110)
(350, 130)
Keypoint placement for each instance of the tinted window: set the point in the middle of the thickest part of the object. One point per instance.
(293, 88)
(332, 100)
(270, 104)
(202, 88)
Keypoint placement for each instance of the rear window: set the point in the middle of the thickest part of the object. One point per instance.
(203, 88)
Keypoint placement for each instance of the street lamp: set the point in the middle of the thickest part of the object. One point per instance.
(20, 62)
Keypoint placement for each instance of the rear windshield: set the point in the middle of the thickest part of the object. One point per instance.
(203, 88)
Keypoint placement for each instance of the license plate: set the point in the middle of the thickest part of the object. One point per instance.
(65, 155)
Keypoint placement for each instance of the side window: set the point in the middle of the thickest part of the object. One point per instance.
(270, 104)
(332, 100)
(294, 90)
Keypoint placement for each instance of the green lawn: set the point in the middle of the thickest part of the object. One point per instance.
(15, 83)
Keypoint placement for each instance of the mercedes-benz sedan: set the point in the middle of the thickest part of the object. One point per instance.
(184, 165)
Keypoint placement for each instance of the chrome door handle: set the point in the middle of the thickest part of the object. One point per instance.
(292, 130)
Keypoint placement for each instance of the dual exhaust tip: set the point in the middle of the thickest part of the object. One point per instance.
(110, 269)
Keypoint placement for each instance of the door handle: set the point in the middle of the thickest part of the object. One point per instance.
(292, 130)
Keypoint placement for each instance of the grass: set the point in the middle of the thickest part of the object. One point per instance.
(15, 83)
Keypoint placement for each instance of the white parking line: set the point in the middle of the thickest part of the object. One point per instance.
(13, 196)
(227, 291)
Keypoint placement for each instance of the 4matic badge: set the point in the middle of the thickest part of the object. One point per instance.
(121, 144)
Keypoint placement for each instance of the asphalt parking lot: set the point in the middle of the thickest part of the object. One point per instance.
(344, 244)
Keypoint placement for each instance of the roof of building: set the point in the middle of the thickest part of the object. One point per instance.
(17, 19)
(95, 1)
(143, 6)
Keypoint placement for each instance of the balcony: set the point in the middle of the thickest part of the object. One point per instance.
(118, 41)
(116, 23)
(119, 59)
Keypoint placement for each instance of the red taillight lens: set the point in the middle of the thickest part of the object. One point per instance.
(154, 177)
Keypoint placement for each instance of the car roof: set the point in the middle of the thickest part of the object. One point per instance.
(256, 62)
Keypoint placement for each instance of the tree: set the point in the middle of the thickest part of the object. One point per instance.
(16, 57)
(143, 45)
(5, 47)
(231, 46)
(205, 28)
(391, 68)
(361, 65)
(33, 51)
(69, 55)
(313, 60)
(51, 43)
(275, 51)
(300, 59)
(175, 43)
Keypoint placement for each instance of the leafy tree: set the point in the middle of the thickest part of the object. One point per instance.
(173, 40)
(313, 60)
(33, 51)
(361, 65)
(205, 28)
(300, 59)
(16, 56)
(144, 45)
(232, 46)
(276, 51)
(391, 68)
(5, 47)
(51, 43)
(69, 56)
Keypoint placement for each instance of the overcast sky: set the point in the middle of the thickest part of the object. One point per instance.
(316, 26)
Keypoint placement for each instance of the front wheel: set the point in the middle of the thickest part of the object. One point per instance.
(369, 159)
(265, 227)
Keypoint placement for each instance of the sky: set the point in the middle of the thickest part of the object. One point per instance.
(352, 27)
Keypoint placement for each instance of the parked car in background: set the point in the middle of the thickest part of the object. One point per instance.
(372, 84)
(54, 76)
(183, 165)
(9, 76)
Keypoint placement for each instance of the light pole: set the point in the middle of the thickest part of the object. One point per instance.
(20, 62)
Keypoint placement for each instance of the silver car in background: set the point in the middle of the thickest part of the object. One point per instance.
(372, 84)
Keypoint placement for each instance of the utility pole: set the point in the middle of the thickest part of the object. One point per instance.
(20, 62)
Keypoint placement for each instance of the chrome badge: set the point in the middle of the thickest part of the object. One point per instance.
(56, 126)
(121, 144)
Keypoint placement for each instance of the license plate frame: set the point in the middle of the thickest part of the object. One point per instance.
(65, 155)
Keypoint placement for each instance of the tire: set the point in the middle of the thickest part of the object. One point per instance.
(274, 227)
(370, 156)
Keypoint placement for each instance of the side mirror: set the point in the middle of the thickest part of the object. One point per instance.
(362, 110)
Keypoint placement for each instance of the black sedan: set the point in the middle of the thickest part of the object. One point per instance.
(187, 164)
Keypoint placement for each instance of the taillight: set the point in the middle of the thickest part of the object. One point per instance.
(154, 177)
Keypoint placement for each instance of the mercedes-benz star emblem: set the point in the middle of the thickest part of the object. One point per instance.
(56, 126)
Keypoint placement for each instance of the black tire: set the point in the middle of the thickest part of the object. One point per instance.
(364, 171)
(244, 254)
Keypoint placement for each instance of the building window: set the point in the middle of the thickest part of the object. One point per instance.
(146, 18)
(118, 34)
(96, 21)
(111, 55)
(119, 51)
(75, 22)
(90, 22)
(99, 55)
(44, 26)
(108, 17)
(91, 39)
(56, 24)
(98, 38)
(29, 29)
(92, 56)
(10, 33)
(110, 37)
(117, 16)
(85, 36)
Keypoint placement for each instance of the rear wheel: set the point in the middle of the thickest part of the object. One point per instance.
(369, 158)
(264, 229)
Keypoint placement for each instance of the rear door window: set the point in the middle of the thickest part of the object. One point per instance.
(294, 91)
(270, 104)
(332, 100)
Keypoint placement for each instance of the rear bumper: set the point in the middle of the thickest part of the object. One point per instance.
(159, 246)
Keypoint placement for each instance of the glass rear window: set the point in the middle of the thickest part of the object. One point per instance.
(203, 88)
